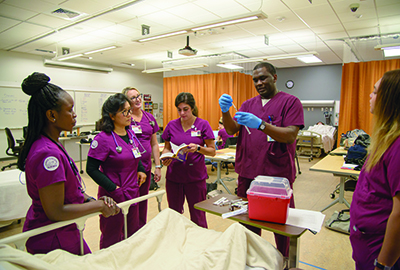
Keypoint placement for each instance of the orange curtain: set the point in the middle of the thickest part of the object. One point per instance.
(206, 90)
(358, 80)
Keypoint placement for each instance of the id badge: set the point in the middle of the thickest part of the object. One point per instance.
(196, 133)
(137, 129)
(269, 139)
(136, 152)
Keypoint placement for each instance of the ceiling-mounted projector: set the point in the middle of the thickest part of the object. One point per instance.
(187, 50)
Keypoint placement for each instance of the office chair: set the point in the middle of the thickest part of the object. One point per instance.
(11, 146)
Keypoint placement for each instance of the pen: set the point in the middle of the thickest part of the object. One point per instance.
(270, 119)
(244, 126)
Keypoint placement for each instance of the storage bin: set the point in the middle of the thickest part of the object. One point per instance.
(269, 199)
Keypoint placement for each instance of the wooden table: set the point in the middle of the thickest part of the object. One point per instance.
(219, 158)
(292, 232)
(332, 164)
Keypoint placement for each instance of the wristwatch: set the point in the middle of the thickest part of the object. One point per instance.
(158, 166)
(198, 148)
(262, 126)
(381, 266)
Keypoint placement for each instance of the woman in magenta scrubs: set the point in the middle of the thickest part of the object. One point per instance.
(375, 207)
(188, 178)
(52, 179)
(145, 126)
(114, 163)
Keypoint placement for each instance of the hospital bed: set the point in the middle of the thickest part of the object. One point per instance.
(316, 140)
(168, 241)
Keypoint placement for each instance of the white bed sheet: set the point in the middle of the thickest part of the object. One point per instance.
(14, 198)
(169, 241)
(327, 133)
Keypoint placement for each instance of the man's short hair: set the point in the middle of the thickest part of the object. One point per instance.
(270, 68)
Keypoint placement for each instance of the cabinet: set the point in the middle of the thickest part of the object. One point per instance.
(148, 106)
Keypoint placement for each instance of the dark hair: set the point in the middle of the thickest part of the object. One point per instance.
(112, 105)
(44, 96)
(189, 100)
(270, 68)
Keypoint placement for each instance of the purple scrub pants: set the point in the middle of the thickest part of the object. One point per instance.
(144, 190)
(194, 192)
(66, 238)
(366, 248)
(282, 242)
(112, 228)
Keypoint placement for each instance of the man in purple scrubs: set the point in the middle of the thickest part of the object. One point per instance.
(274, 119)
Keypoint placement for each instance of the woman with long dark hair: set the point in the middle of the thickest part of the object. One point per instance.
(375, 207)
(188, 178)
(52, 179)
(114, 164)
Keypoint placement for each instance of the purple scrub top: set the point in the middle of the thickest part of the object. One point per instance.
(46, 164)
(224, 135)
(254, 154)
(145, 137)
(373, 197)
(194, 168)
(121, 168)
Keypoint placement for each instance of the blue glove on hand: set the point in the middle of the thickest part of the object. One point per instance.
(248, 119)
(225, 102)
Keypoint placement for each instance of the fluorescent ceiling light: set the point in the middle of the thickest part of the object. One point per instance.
(174, 68)
(47, 62)
(67, 56)
(270, 57)
(386, 46)
(163, 36)
(392, 51)
(226, 23)
(230, 66)
(309, 59)
(100, 50)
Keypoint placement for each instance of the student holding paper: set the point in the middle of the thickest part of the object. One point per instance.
(188, 178)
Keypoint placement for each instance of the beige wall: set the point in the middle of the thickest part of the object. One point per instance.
(17, 66)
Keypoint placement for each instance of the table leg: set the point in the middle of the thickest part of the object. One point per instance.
(294, 252)
(80, 157)
(219, 180)
(341, 198)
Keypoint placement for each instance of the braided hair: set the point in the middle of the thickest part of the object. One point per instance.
(44, 96)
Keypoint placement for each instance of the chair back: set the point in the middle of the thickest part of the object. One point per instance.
(11, 144)
(230, 141)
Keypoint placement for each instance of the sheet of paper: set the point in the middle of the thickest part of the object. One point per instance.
(224, 156)
(308, 219)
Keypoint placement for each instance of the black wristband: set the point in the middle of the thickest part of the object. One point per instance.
(90, 198)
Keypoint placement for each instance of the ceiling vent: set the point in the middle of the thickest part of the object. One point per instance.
(67, 14)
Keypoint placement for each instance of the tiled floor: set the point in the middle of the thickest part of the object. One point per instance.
(325, 250)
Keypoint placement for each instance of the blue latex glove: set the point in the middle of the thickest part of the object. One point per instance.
(248, 119)
(225, 102)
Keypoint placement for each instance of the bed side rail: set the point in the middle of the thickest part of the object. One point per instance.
(20, 239)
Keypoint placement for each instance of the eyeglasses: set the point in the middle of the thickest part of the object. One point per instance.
(126, 112)
(137, 97)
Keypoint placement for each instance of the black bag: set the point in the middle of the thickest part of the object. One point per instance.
(153, 184)
(339, 221)
(211, 186)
